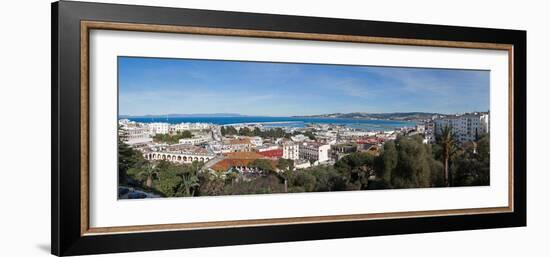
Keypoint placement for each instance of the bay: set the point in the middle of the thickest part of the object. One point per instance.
(290, 122)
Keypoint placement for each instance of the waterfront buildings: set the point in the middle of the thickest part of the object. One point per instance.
(357, 133)
(466, 127)
(190, 126)
(314, 144)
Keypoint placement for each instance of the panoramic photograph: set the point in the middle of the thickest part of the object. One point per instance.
(198, 128)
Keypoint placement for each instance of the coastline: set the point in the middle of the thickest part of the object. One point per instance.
(283, 122)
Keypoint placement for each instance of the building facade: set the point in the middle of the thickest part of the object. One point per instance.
(466, 127)
(339, 151)
(190, 126)
(158, 128)
(194, 141)
(291, 151)
(273, 153)
(178, 157)
(133, 133)
(136, 135)
(314, 152)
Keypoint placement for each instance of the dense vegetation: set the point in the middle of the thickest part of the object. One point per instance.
(269, 133)
(172, 139)
(403, 163)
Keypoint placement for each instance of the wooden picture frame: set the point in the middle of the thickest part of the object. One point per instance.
(71, 25)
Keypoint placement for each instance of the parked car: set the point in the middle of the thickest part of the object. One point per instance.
(136, 195)
(122, 191)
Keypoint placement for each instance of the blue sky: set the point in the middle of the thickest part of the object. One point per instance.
(167, 86)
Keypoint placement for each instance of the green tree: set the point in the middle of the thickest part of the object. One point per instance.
(301, 181)
(356, 168)
(267, 184)
(212, 183)
(184, 134)
(483, 145)
(310, 135)
(172, 139)
(446, 140)
(257, 132)
(188, 185)
(470, 167)
(262, 164)
(188, 178)
(327, 178)
(389, 161)
(127, 158)
(413, 164)
(148, 173)
(169, 180)
(285, 164)
(245, 132)
(229, 130)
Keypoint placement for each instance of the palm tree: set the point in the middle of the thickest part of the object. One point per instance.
(448, 147)
(148, 173)
(188, 182)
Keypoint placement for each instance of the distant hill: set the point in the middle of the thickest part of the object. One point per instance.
(377, 116)
(353, 115)
(182, 115)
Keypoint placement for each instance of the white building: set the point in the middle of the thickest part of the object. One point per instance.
(158, 128)
(357, 133)
(466, 127)
(236, 145)
(132, 132)
(190, 126)
(314, 151)
(267, 147)
(179, 157)
(291, 151)
(136, 135)
(194, 141)
(299, 138)
(302, 164)
(420, 128)
(257, 141)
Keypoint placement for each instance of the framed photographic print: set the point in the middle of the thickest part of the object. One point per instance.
(177, 128)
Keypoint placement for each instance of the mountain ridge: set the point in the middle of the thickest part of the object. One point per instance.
(177, 115)
(366, 115)
(350, 115)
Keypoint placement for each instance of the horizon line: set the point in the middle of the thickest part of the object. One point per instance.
(301, 115)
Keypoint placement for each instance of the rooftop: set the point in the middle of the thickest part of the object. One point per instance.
(244, 155)
(241, 141)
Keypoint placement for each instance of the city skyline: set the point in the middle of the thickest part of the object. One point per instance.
(158, 86)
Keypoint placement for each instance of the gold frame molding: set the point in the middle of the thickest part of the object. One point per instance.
(86, 26)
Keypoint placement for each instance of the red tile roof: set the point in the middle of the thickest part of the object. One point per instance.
(239, 159)
(272, 153)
